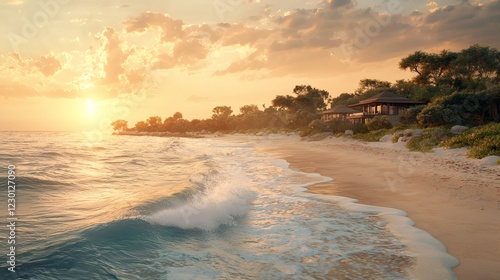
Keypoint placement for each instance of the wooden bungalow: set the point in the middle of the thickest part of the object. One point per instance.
(338, 112)
(383, 104)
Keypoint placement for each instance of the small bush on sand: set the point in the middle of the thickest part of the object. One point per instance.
(396, 136)
(483, 141)
(306, 132)
(489, 146)
(372, 136)
(429, 140)
(470, 136)
(378, 123)
(318, 126)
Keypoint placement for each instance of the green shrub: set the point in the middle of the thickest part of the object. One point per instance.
(470, 136)
(318, 126)
(359, 128)
(379, 123)
(438, 115)
(271, 131)
(429, 140)
(372, 136)
(472, 108)
(306, 132)
(489, 146)
(338, 126)
(396, 136)
(422, 144)
(409, 115)
(461, 108)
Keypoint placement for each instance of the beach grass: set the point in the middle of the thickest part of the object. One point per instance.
(482, 141)
(373, 136)
(429, 139)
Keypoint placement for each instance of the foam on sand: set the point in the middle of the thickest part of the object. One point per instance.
(432, 258)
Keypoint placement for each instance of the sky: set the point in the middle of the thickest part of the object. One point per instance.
(77, 65)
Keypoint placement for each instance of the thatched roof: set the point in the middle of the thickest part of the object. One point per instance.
(386, 97)
(341, 109)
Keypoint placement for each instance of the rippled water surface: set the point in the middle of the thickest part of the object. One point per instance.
(168, 208)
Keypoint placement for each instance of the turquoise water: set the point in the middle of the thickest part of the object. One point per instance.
(168, 208)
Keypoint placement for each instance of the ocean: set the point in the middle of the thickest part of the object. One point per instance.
(178, 208)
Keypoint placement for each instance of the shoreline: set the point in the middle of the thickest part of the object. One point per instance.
(453, 198)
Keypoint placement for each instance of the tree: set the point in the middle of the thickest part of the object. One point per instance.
(414, 91)
(366, 85)
(311, 98)
(249, 109)
(415, 62)
(475, 67)
(221, 116)
(440, 65)
(177, 116)
(141, 126)
(429, 67)
(304, 107)
(180, 125)
(318, 126)
(221, 112)
(343, 99)
(284, 102)
(154, 123)
(120, 125)
(302, 118)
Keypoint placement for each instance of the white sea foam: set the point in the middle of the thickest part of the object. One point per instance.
(432, 258)
(290, 233)
(224, 199)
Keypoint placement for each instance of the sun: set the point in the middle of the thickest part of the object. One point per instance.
(90, 106)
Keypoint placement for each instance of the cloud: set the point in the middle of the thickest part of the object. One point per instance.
(114, 55)
(189, 50)
(341, 4)
(305, 38)
(172, 29)
(465, 24)
(332, 37)
(314, 41)
(240, 34)
(48, 65)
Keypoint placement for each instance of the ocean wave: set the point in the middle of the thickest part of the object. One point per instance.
(31, 182)
(91, 254)
(225, 199)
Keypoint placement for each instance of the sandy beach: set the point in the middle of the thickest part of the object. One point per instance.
(452, 197)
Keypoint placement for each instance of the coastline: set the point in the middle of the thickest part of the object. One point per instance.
(454, 198)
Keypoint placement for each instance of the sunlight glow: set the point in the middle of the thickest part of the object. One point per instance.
(91, 106)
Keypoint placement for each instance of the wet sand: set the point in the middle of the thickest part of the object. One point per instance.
(454, 198)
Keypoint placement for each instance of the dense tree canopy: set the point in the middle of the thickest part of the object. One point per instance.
(120, 125)
(473, 69)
